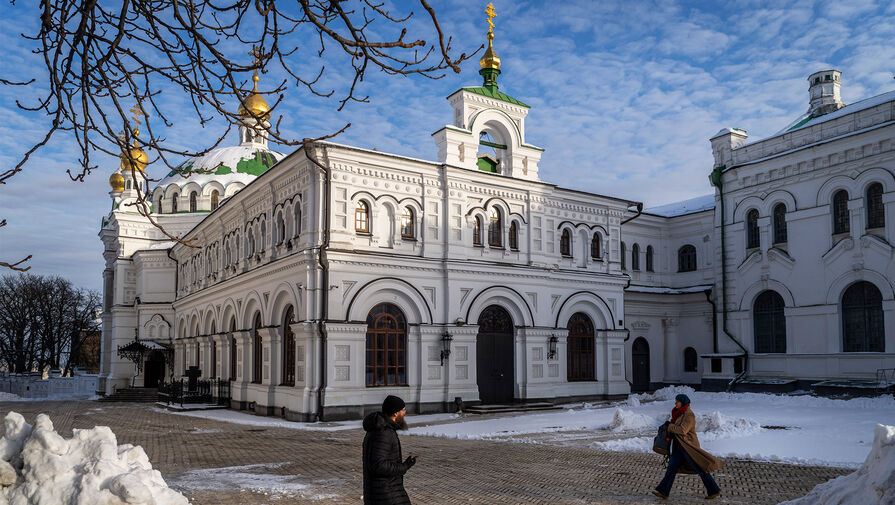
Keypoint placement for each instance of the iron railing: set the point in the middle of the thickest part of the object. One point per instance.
(210, 391)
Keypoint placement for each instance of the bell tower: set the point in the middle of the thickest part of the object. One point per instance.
(488, 132)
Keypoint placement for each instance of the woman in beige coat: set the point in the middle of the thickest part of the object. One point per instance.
(686, 455)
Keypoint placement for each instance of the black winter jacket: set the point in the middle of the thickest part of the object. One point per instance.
(383, 465)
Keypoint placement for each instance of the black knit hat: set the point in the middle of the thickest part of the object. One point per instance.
(391, 405)
(684, 399)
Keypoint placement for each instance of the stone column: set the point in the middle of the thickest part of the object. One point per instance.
(673, 351)
(273, 352)
(611, 363)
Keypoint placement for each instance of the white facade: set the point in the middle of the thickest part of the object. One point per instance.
(832, 147)
(330, 233)
(290, 240)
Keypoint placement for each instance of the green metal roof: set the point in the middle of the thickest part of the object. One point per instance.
(492, 92)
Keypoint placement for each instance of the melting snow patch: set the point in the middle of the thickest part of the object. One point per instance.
(254, 478)
(872, 484)
(37, 466)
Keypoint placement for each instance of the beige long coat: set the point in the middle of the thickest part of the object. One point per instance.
(684, 430)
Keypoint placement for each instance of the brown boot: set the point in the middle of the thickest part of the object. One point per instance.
(713, 496)
(660, 495)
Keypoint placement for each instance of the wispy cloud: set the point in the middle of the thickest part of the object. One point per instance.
(624, 97)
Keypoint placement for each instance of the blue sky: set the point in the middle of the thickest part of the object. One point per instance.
(624, 97)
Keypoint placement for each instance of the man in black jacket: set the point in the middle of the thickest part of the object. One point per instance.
(383, 469)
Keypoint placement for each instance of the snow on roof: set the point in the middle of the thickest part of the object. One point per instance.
(805, 120)
(225, 165)
(167, 244)
(698, 204)
(669, 291)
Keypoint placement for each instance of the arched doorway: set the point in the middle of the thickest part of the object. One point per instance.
(494, 356)
(154, 369)
(640, 368)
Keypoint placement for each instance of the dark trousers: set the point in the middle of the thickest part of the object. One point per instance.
(678, 456)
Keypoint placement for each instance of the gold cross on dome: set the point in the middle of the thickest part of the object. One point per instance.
(489, 11)
(137, 113)
(256, 53)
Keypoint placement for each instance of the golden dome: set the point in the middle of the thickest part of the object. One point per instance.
(116, 180)
(490, 58)
(255, 105)
(136, 159)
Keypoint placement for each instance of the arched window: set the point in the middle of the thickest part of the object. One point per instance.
(362, 218)
(215, 199)
(174, 198)
(198, 363)
(477, 231)
(281, 229)
(514, 236)
(193, 204)
(262, 243)
(623, 254)
(386, 361)
(251, 243)
(753, 239)
(686, 258)
(232, 349)
(158, 205)
(297, 225)
(595, 245)
(407, 223)
(876, 215)
(257, 347)
(649, 258)
(580, 347)
(780, 223)
(691, 360)
(288, 348)
(862, 319)
(565, 243)
(840, 212)
(635, 257)
(769, 323)
(495, 228)
(127, 183)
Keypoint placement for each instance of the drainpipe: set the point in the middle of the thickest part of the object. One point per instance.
(639, 212)
(308, 146)
(708, 298)
(716, 181)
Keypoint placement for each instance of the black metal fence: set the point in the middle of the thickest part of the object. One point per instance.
(211, 391)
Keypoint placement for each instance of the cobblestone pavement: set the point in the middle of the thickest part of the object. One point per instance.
(325, 467)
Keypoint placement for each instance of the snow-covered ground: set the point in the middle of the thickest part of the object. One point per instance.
(764, 427)
(258, 478)
(236, 417)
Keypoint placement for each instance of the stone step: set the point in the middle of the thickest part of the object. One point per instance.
(512, 407)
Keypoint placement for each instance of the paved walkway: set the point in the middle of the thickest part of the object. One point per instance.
(286, 466)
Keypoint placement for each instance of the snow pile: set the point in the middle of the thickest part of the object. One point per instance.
(716, 425)
(626, 420)
(872, 484)
(39, 466)
(666, 393)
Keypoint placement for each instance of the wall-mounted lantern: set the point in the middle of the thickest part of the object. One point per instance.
(446, 339)
(551, 347)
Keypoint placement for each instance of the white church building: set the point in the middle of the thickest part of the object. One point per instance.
(320, 281)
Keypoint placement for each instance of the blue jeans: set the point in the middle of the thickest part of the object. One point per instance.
(678, 456)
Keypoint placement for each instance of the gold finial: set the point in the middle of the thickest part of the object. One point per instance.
(489, 11)
(255, 102)
(134, 158)
(490, 59)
